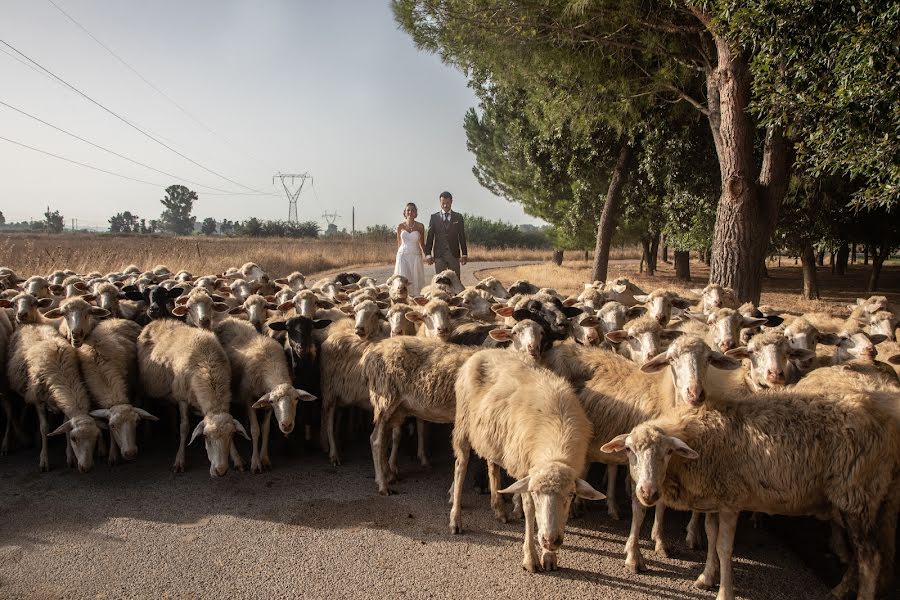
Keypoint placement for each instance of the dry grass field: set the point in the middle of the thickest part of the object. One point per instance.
(30, 254)
(780, 290)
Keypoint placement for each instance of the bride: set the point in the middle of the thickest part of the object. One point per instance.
(411, 250)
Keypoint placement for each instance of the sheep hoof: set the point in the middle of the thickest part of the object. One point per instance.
(702, 583)
(549, 562)
(384, 491)
(517, 513)
(424, 462)
(112, 461)
(613, 513)
(531, 564)
(662, 550)
(693, 541)
(45, 467)
(636, 565)
(501, 515)
(266, 463)
(455, 529)
(335, 461)
(178, 467)
(256, 468)
(4, 450)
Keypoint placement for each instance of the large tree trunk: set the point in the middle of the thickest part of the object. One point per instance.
(842, 258)
(682, 265)
(645, 256)
(610, 213)
(750, 200)
(654, 253)
(853, 254)
(879, 254)
(557, 257)
(665, 250)
(820, 258)
(810, 282)
(865, 254)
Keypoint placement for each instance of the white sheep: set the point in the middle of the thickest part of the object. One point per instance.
(296, 281)
(529, 422)
(641, 339)
(493, 287)
(188, 366)
(199, 308)
(783, 453)
(262, 380)
(43, 369)
(714, 297)
(661, 302)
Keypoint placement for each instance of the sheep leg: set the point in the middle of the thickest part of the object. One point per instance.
(496, 499)
(264, 449)
(8, 411)
(393, 469)
(724, 547)
(868, 557)
(838, 544)
(887, 532)
(328, 406)
(236, 457)
(634, 561)
(530, 557)
(102, 450)
(376, 440)
(517, 511)
(707, 579)
(183, 427)
(657, 534)
(255, 466)
(461, 451)
(113, 457)
(45, 429)
(71, 461)
(693, 532)
(421, 430)
(612, 507)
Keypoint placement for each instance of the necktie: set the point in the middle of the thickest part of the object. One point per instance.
(446, 217)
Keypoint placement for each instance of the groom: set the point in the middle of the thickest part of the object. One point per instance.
(445, 246)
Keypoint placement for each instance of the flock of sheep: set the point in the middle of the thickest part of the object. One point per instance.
(714, 408)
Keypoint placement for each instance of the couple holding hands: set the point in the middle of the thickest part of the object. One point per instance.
(444, 246)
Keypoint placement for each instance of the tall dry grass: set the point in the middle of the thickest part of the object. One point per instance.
(31, 254)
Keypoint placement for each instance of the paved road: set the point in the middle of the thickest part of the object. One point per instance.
(308, 529)
(467, 272)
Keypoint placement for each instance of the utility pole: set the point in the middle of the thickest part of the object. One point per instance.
(353, 222)
(292, 195)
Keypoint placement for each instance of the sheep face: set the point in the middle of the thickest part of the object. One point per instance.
(612, 317)
(283, 402)
(123, 420)
(253, 273)
(725, 327)
(623, 291)
(81, 433)
(240, 289)
(803, 336)
(639, 341)
(80, 318)
(649, 451)
(448, 280)
(400, 325)
(217, 431)
(198, 308)
(493, 287)
(584, 329)
(26, 307)
(299, 335)
(209, 284)
(257, 309)
(295, 282)
(883, 323)
(856, 345)
(769, 355)
(689, 357)
(107, 298)
(714, 297)
(160, 301)
(436, 316)
(479, 304)
(38, 287)
(660, 303)
(368, 319)
(526, 337)
(550, 490)
(398, 288)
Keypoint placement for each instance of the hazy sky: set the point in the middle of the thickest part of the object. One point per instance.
(333, 88)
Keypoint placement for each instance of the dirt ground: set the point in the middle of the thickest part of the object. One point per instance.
(307, 529)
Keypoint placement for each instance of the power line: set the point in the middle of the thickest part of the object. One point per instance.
(93, 168)
(114, 153)
(124, 120)
(144, 79)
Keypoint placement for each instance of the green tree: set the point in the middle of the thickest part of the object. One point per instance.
(226, 227)
(208, 227)
(177, 217)
(125, 222)
(2, 218)
(53, 221)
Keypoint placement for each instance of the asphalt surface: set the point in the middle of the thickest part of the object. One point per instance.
(307, 529)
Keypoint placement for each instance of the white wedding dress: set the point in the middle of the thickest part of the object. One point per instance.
(410, 261)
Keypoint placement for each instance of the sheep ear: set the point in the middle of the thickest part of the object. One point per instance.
(773, 320)
(320, 323)
(57, 289)
(197, 431)
(878, 338)
(326, 304)
(240, 429)
(681, 303)
(286, 306)
(738, 353)
(655, 364)
(414, 317)
(726, 362)
(571, 311)
(750, 322)
(53, 314)
(455, 301)
(635, 311)
(420, 300)
(305, 396)
(145, 415)
(236, 310)
(894, 360)
(44, 302)
(683, 449)
(570, 301)
(500, 335)
(5, 303)
(617, 444)
(100, 413)
(641, 298)
(64, 428)
(697, 291)
(800, 353)
(590, 322)
(584, 490)
(829, 339)
(281, 281)
(264, 402)
(458, 313)
(220, 307)
(181, 300)
(517, 488)
(179, 311)
(347, 310)
(859, 302)
(101, 313)
(621, 289)
(670, 334)
(617, 337)
(278, 326)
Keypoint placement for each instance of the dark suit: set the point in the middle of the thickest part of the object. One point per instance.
(446, 241)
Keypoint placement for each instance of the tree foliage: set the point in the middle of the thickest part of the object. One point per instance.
(126, 222)
(53, 221)
(209, 226)
(177, 217)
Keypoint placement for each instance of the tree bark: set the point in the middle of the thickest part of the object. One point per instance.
(645, 256)
(853, 254)
(879, 254)
(610, 212)
(682, 260)
(842, 258)
(749, 204)
(866, 254)
(557, 257)
(831, 260)
(810, 281)
(665, 251)
(820, 258)
(654, 253)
